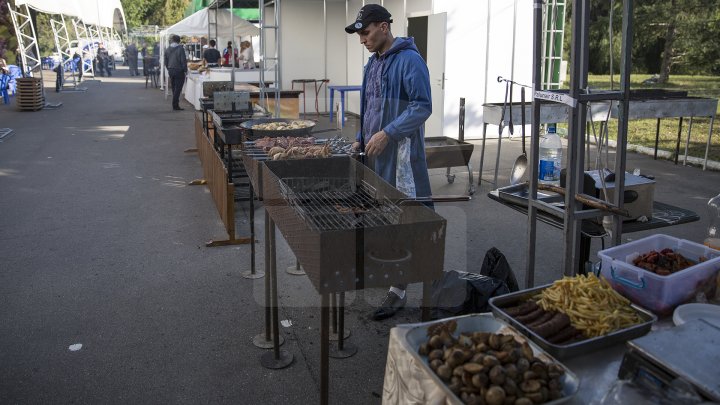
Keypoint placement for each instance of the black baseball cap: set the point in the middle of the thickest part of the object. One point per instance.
(368, 14)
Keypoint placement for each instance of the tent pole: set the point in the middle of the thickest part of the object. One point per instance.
(232, 34)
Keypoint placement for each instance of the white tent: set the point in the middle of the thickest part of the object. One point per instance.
(92, 12)
(197, 25)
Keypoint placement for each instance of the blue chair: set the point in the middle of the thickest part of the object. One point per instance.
(4, 84)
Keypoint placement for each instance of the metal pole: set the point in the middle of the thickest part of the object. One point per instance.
(623, 114)
(534, 143)
(232, 35)
(324, 349)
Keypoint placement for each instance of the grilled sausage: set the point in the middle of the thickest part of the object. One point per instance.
(555, 324)
(563, 335)
(522, 309)
(530, 317)
(544, 318)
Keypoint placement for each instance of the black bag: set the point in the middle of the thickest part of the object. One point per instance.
(460, 293)
(496, 265)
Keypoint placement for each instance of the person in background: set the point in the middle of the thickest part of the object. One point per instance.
(394, 104)
(132, 58)
(211, 56)
(3, 67)
(156, 51)
(176, 64)
(101, 60)
(246, 55)
(77, 60)
(143, 50)
(226, 55)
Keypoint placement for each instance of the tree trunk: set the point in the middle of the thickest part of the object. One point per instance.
(668, 49)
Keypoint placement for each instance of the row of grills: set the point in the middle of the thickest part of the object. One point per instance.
(348, 228)
(321, 205)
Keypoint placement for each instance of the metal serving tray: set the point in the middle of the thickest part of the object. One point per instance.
(573, 349)
(417, 334)
(518, 194)
(447, 152)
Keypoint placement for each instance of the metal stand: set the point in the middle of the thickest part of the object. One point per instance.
(578, 101)
(277, 359)
(252, 274)
(343, 349)
(296, 270)
(265, 340)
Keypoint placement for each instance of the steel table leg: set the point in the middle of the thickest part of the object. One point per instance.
(332, 106)
(324, 350)
(252, 274)
(278, 358)
(497, 161)
(657, 138)
(264, 340)
(344, 349)
(707, 147)
(687, 142)
(482, 155)
(677, 145)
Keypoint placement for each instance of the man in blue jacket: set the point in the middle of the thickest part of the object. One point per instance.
(394, 104)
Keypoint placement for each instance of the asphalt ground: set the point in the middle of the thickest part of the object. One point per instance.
(102, 243)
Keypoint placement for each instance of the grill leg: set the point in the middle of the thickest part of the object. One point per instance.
(324, 350)
(425, 314)
(252, 274)
(264, 340)
(278, 358)
(344, 349)
(296, 270)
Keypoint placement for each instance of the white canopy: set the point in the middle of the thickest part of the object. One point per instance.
(197, 25)
(92, 12)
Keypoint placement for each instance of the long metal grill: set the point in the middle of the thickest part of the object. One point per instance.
(331, 203)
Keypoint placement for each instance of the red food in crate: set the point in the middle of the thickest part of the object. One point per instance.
(665, 262)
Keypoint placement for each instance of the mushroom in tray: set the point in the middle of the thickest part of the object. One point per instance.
(489, 368)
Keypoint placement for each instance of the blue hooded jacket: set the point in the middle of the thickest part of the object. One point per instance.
(406, 104)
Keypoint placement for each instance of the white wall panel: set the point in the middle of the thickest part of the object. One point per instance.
(337, 45)
(357, 57)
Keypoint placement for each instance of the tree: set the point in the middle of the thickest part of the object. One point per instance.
(670, 36)
(153, 12)
(8, 41)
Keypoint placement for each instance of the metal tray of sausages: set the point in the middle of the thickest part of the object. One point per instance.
(572, 349)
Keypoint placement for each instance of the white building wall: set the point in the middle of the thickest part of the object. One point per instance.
(337, 62)
(302, 42)
(475, 52)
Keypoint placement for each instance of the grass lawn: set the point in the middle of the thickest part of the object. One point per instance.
(642, 132)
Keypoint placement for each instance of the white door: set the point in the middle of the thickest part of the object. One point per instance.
(437, 28)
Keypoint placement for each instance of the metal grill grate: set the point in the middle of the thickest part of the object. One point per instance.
(332, 203)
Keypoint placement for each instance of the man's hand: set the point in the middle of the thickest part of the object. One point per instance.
(377, 144)
(356, 146)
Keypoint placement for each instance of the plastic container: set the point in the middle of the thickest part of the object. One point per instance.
(550, 157)
(659, 294)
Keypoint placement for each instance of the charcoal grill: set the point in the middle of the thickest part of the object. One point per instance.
(350, 231)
